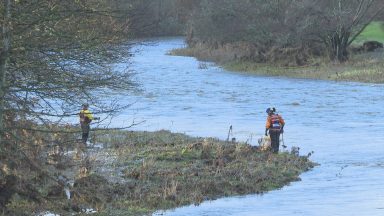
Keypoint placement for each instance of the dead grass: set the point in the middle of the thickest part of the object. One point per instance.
(163, 170)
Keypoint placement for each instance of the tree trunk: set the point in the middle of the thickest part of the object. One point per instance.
(4, 57)
(338, 46)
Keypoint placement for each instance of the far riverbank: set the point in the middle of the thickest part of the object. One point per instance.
(363, 67)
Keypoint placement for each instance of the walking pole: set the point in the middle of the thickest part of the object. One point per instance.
(229, 132)
(282, 141)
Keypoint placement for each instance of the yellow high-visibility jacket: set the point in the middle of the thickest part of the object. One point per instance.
(85, 116)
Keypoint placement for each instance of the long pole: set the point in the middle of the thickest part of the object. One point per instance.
(282, 141)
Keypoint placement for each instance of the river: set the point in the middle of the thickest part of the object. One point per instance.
(343, 123)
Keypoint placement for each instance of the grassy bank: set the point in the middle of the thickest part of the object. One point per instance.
(364, 67)
(164, 170)
(361, 67)
(141, 172)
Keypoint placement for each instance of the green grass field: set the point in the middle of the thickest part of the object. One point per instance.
(374, 31)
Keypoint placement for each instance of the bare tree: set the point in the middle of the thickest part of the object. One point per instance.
(337, 23)
(159, 18)
(55, 55)
(266, 23)
(330, 25)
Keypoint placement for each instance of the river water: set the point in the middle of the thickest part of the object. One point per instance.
(343, 123)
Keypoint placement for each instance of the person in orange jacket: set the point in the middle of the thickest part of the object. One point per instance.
(275, 125)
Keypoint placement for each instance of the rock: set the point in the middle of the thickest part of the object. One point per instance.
(295, 150)
(370, 46)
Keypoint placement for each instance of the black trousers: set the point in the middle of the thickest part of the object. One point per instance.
(275, 140)
(85, 128)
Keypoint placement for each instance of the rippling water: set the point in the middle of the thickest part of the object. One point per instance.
(343, 123)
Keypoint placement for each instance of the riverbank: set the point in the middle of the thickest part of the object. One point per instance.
(137, 173)
(170, 170)
(362, 67)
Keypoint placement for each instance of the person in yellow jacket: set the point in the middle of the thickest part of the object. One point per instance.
(275, 125)
(86, 118)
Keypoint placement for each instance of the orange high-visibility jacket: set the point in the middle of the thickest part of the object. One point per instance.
(274, 121)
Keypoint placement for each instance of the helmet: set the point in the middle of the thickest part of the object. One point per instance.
(270, 110)
(85, 105)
